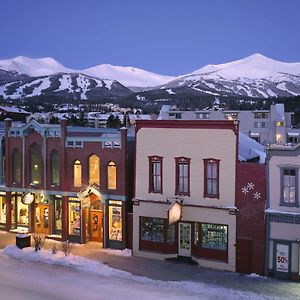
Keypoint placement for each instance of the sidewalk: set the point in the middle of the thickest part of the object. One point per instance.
(171, 271)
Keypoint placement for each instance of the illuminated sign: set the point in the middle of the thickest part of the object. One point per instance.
(174, 213)
(28, 198)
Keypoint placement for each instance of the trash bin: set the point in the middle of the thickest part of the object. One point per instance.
(23, 240)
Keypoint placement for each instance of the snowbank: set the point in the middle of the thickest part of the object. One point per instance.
(208, 291)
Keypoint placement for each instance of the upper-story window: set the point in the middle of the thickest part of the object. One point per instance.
(261, 115)
(289, 187)
(94, 169)
(35, 164)
(261, 124)
(231, 116)
(54, 168)
(182, 176)
(111, 176)
(155, 174)
(202, 116)
(175, 115)
(16, 167)
(77, 173)
(211, 178)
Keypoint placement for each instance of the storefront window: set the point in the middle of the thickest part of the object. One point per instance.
(94, 163)
(214, 236)
(77, 173)
(74, 218)
(111, 176)
(58, 214)
(115, 220)
(171, 233)
(22, 212)
(152, 229)
(2, 208)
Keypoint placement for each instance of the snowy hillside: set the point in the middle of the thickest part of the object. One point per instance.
(253, 76)
(68, 85)
(127, 76)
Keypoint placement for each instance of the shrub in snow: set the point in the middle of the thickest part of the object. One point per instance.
(53, 249)
(39, 241)
(66, 248)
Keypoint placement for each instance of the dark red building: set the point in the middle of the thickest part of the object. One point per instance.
(66, 182)
(250, 202)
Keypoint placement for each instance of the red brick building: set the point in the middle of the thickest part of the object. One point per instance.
(250, 229)
(66, 182)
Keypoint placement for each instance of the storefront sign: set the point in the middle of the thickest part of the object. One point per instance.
(282, 258)
(28, 198)
(174, 212)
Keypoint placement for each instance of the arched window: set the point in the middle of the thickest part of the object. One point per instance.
(16, 167)
(77, 173)
(111, 176)
(35, 164)
(94, 169)
(54, 168)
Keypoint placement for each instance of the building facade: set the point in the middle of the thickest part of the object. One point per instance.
(65, 182)
(185, 188)
(264, 126)
(283, 212)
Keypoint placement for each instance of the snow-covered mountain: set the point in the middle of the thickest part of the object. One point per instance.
(253, 76)
(128, 76)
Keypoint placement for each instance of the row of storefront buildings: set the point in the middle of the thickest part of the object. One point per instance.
(170, 189)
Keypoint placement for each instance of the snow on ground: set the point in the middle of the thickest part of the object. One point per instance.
(155, 288)
(125, 252)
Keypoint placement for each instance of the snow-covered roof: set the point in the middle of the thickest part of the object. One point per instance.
(250, 149)
(13, 109)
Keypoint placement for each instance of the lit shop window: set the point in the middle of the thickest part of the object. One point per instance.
(16, 167)
(115, 220)
(111, 176)
(94, 169)
(2, 207)
(214, 236)
(152, 229)
(74, 218)
(22, 213)
(36, 164)
(55, 168)
(58, 214)
(77, 173)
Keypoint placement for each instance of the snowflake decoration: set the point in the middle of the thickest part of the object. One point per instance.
(245, 190)
(257, 195)
(250, 186)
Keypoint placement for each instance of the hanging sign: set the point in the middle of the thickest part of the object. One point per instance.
(28, 198)
(174, 212)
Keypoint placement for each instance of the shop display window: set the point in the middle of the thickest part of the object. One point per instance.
(22, 213)
(58, 214)
(214, 236)
(152, 229)
(2, 208)
(115, 220)
(74, 218)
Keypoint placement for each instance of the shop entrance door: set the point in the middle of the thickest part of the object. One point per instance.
(282, 260)
(96, 226)
(184, 245)
(42, 212)
(244, 255)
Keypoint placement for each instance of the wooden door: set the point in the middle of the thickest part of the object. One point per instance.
(184, 244)
(42, 221)
(96, 226)
(244, 255)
